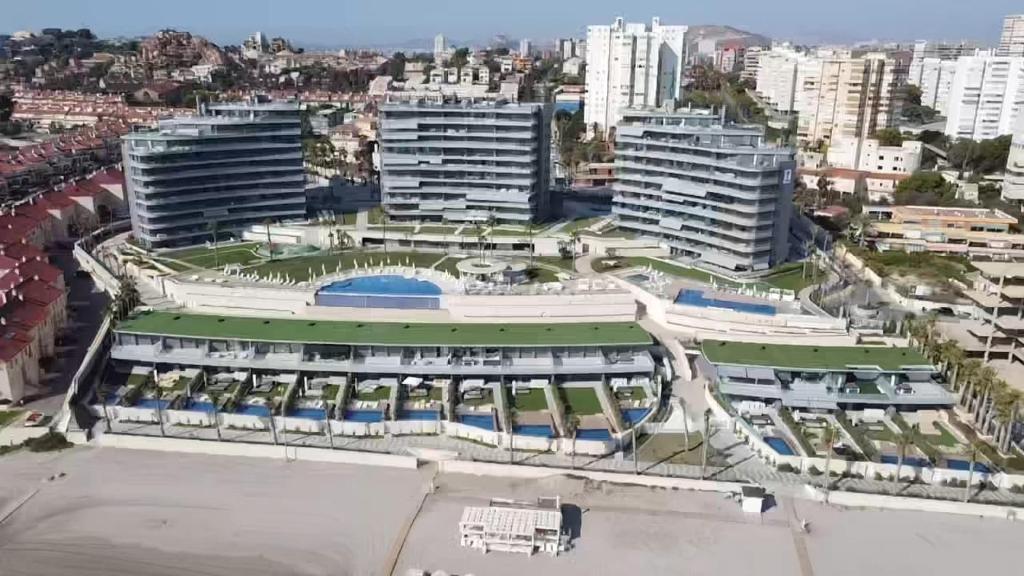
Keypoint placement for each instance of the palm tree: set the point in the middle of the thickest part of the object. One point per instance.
(704, 445)
(492, 221)
(330, 239)
(213, 232)
(481, 235)
(270, 244)
(574, 237)
(903, 440)
(970, 472)
(572, 426)
(530, 231)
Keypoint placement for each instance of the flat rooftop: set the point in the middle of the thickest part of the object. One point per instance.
(383, 333)
(810, 357)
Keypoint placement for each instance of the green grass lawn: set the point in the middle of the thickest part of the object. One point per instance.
(541, 275)
(381, 393)
(868, 388)
(330, 392)
(791, 278)
(204, 257)
(580, 401)
(531, 401)
(883, 435)
(810, 357)
(580, 224)
(449, 265)
(943, 439)
(8, 416)
(436, 393)
(672, 449)
(298, 268)
(922, 264)
(556, 261)
(354, 332)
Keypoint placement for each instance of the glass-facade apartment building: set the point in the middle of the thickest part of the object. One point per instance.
(235, 164)
(464, 161)
(708, 190)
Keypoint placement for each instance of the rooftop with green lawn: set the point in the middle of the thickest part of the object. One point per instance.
(383, 333)
(783, 356)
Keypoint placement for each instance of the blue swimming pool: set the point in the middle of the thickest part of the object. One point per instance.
(419, 415)
(539, 430)
(696, 298)
(253, 410)
(201, 406)
(908, 461)
(780, 445)
(309, 413)
(389, 285)
(593, 434)
(478, 421)
(965, 465)
(152, 403)
(368, 416)
(633, 415)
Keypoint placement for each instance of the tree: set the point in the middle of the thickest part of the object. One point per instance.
(574, 238)
(927, 189)
(903, 440)
(6, 107)
(913, 95)
(460, 58)
(396, 66)
(889, 137)
(216, 253)
(270, 244)
(704, 446)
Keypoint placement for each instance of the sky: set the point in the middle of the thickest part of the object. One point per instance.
(338, 23)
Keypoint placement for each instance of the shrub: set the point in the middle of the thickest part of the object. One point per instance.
(785, 467)
(49, 442)
(813, 471)
(1017, 489)
(879, 477)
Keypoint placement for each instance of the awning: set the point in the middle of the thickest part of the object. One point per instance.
(412, 381)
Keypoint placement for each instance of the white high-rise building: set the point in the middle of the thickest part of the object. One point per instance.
(935, 79)
(525, 47)
(986, 96)
(440, 47)
(1011, 43)
(843, 96)
(776, 77)
(925, 50)
(1013, 184)
(631, 64)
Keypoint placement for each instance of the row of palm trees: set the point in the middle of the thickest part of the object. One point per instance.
(997, 408)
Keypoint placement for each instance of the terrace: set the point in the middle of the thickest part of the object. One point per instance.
(267, 395)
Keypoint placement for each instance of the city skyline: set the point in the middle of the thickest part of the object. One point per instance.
(397, 22)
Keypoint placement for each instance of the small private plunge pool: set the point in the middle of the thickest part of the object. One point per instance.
(383, 291)
(483, 421)
(779, 445)
(365, 416)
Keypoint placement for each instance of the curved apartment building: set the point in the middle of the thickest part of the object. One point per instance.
(236, 164)
(707, 190)
(464, 162)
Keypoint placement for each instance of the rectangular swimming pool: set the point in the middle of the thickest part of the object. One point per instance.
(201, 406)
(593, 434)
(308, 413)
(152, 403)
(965, 465)
(538, 430)
(367, 416)
(419, 415)
(690, 297)
(632, 416)
(908, 461)
(779, 445)
(485, 422)
(253, 410)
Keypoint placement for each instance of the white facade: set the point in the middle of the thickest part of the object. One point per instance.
(1011, 42)
(776, 77)
(841, 96)
(525, 47)
(924, 50)
(1013, 185)
(985, 97)
(935, 79)
(751, 63)
(440, 48)
(868, 155)
(631, 64)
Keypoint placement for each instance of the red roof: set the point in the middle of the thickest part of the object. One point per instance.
(12, 342)
(9, 281)
(16, 228)
(59, 200)
(84, 188)
(46, 272)
(28, 314)
(41, 293)
(110, 176)
(20, 250)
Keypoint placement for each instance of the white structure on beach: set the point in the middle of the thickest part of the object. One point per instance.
(510, 526)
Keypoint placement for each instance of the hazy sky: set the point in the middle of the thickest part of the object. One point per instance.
(379, 22)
